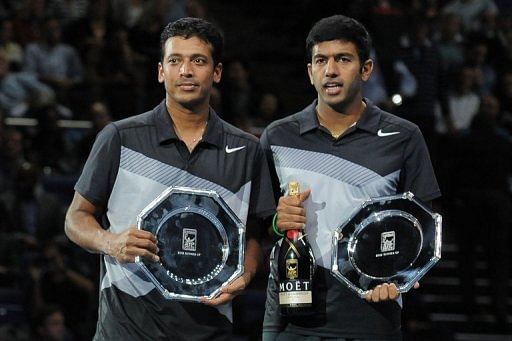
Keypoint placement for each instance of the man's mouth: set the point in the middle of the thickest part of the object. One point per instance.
(333, 88)
(187, 86)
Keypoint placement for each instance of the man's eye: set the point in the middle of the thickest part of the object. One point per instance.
(344, 59)
(173, 60)
(320, 61)
(199, 61)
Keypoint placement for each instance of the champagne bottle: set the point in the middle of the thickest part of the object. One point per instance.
(296, 266)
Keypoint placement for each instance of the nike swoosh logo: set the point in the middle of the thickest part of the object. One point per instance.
(382, 134)
(232, 150)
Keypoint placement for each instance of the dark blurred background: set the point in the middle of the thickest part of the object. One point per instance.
(68, 68)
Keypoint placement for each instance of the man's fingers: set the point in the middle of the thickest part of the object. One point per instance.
(304, 195)
(236, 287)
(393, 291)
(416, 285)
(146, 244)
(376, 294)
(383, 292)
(128, 254)
(223, 298)
(291, 210)
(135, 232)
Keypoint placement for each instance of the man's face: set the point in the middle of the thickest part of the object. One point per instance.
(188, 72)
(337, 74)
(54, 328)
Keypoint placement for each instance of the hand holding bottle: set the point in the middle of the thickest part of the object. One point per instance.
(291, 214)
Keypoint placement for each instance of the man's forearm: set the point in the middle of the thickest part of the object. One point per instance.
(83, 229)
(252, 257)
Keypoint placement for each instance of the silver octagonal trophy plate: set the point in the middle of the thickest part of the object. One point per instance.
(201, 243)
(393, 239)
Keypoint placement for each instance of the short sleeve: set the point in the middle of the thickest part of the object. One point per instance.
(417, 175)
(262, 203)
(100, 170)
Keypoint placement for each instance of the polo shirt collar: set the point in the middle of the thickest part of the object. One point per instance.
(368, 121)
(307, 119)
(166, 133)
(370, 118)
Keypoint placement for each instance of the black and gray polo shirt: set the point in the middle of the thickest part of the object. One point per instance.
(380, 155)
(131, 163)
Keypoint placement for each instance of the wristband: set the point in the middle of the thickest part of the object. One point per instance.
(274, 226)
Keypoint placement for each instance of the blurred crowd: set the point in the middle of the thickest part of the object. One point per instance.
(444, 64)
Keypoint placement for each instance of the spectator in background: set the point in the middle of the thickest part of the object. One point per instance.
(450, 42)
(471, 11)
(268, 110)
(477, 58)
(18, 90)
(54, 62)
(60, 284)
(32, 211)
(490, 107)
(240, 97)
(28, 19)
(9, 47)
(127, 12)
(49, 325)
(67, 11)
(115, 72)
(12, 156)
(100, 117)
(463, 104)
(49, 137)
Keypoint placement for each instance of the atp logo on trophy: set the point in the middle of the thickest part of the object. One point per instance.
(387, 241)
(189, 240)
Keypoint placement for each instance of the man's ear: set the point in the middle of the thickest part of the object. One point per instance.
(310, 74)
(366, 69)
(217, 73)
(160, 72)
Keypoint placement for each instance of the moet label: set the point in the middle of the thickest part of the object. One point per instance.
(292, 268)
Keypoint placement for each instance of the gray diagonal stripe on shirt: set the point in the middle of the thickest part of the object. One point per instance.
(329, 165)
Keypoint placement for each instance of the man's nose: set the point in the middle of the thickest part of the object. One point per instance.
(185, 69)
(330, 68)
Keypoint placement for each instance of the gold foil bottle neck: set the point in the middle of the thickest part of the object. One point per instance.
(293, 188)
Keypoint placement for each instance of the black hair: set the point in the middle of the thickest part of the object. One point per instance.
(340, 27)
(194, 27)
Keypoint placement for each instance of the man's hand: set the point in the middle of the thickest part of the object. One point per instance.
(229, 291)
(127, 245)
(385, 292)
(290, 212)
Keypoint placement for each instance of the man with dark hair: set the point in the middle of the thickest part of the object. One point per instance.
(343, 150)
(181, 142)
